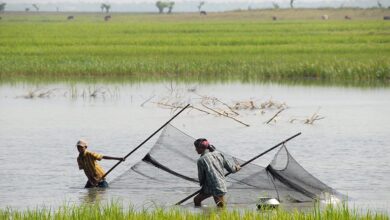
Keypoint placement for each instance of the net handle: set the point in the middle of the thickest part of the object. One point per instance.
(244, 164)
(166, 123)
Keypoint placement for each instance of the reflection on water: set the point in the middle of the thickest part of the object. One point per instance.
(348, 149)
(93, 195)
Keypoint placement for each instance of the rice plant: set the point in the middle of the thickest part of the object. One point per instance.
(145, 47)
(115, 210)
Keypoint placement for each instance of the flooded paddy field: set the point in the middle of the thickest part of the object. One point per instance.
(347, 149)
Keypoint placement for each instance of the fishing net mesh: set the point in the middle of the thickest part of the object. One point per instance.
(168, 173)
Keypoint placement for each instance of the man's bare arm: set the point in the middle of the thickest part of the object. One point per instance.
(114, 158)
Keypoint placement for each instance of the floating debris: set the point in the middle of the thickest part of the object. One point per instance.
(39, 93)
(309, 120)
(273, 117)
(73, 93)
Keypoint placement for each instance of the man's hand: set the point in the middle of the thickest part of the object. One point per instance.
(114, 158)
(238, 167)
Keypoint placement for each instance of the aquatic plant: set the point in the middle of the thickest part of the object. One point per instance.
(117, 211)
(183, 48)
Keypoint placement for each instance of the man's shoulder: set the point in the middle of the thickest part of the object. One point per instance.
(88, 153)
(217, 153)
(202, 158)
(85, 155)
(206, 154)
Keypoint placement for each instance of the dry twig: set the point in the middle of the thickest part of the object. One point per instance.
(147, 100)
(215, 100)
(175, 107)
(313, 118)
(245, 105)
(275, 115)
(225, 115)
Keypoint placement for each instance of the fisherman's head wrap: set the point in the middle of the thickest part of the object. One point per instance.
(82, 143)
(202, 143)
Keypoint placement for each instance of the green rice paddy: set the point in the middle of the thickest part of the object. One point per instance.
(116, 211)
(220, 47)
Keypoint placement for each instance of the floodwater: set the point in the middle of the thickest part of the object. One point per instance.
(348, 149)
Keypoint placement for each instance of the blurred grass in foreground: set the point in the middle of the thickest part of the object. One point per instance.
(222, 47)
(116, 211)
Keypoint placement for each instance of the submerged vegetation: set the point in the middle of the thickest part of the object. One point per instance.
(219, 47)
(116, 211)
(177, 98)
(73, 93)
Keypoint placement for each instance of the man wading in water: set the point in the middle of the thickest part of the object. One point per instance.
(87, 161)
(211, 173)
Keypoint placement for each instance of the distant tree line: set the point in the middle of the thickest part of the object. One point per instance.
(200, 5)
(36, 7)
(292, 3)
(105, 7)
(276, 5)
(2, 6)
(162, 5)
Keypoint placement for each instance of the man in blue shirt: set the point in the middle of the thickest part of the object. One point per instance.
(211, 174)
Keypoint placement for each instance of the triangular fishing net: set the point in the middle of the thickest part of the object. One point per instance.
(168, 173)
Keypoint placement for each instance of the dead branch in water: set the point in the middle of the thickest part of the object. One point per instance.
(275, 115)
(216, 100)
(215, 106)
(175, 107)
(272, 104)
(245, 105)
(47, 94)
(267, 105)
(313, 118)
(147, 100)
(40, 93)
(226, 112)
(225, 115)
(95, 92)
(310, 120)
(73, 93)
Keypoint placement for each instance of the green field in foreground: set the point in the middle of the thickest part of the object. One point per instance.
(219, 47)
(115, 211)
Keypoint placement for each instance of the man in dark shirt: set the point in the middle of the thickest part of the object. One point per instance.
(211, 174)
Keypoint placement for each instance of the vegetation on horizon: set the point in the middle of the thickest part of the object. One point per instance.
(161, 5)
(105, 7)
(2, 6)
(189, 47)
